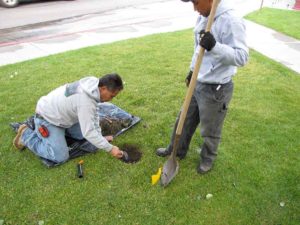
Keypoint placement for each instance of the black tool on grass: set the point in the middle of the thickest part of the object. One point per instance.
(80, 169)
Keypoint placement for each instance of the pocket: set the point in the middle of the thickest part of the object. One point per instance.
(224, 108)
(218, 93)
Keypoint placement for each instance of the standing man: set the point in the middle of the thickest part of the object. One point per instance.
(70, 110)
(226, 50)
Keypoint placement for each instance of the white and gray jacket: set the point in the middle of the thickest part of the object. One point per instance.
(75, 103)
(231, 51)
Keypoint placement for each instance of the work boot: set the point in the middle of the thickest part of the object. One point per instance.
(205, 166)
(17, 140)
(163, 152)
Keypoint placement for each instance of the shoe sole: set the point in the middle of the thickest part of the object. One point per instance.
(203, 171)
(162, 155)
(19, 133)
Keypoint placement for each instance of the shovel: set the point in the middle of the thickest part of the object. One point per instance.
(171, 166)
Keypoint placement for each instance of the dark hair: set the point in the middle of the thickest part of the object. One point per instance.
(112, 81)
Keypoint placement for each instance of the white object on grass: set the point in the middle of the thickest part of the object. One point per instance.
(208, 196)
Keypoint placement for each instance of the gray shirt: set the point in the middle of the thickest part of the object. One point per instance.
(231, 51)
(75, 103)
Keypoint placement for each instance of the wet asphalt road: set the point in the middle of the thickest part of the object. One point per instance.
(44, 19)
(42, 11)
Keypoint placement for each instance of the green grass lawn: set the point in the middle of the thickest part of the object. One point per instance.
(257, 167)
(284, 21)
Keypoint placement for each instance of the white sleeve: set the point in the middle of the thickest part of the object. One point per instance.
(90, 128)
(233, 50)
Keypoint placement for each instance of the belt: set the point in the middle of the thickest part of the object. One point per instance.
(216, 85)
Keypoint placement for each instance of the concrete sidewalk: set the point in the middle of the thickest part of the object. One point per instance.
(277, 46)
(139, 21)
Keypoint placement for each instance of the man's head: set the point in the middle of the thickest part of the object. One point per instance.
(109, 86)
(201, 6)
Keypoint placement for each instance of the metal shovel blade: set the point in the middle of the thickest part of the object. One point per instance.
(170, 170)
(171, 166)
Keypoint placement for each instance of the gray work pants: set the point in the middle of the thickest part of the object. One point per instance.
(208, 107)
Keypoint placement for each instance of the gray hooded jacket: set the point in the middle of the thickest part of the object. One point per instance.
(220, 64)
(75, 103)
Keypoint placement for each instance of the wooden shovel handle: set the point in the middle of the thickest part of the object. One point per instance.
(193, 81)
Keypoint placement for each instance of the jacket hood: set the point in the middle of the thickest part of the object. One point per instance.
(89, 85)
(223, 7)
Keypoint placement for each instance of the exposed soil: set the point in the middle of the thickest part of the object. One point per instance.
(133, 151)
(111, 126)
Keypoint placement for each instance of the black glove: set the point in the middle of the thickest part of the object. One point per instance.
(207, 40)
(188, 78)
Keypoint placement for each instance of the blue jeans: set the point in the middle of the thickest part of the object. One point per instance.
(208, 108)
(54, 147)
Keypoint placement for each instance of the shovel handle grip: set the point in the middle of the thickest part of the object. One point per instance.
(193, 82)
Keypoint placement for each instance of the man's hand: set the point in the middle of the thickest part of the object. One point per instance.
(188, 78)
(116, 152)
(109, 138)
(207, 40)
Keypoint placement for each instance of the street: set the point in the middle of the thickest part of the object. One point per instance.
(45, 20)
(42, 20)
(43, 11)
